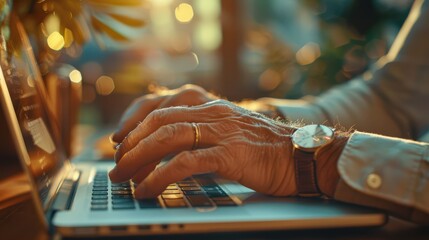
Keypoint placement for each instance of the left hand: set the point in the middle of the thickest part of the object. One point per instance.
(235, 143)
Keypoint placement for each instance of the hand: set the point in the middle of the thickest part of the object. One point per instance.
(188, 95)
(235, 143)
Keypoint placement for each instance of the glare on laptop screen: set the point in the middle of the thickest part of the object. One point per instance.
(36, 123)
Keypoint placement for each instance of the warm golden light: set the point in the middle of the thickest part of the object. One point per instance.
(184, 13)
(75, 76)
(308, 54)
(55, 41)
(104, 85)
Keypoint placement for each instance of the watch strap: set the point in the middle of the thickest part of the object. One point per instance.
(305, 173)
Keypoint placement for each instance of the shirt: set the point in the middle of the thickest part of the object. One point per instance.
(388, 171)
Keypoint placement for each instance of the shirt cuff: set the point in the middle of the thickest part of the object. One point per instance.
(300, 110)
(389, 169)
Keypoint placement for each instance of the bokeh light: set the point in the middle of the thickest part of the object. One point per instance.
(55, 41)
(184, 13)
(269, 80)
(104, 85)
(75, 76)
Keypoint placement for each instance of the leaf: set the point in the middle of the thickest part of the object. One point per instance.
(101, 27)
(132, 22)
(116, 2)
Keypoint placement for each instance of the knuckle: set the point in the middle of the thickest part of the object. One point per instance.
(221, 106)
(156, 116)
(191, 92)
(166, 134)
(191, 95)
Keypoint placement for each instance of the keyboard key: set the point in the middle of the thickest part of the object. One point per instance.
(149, 203)
(99, 207)
(175, 203)
(99, 202)
(224, 201)
(199, 201)
(122, 201)
(121, 188)
(122, 197)
(118, 192)
(172, 187)
(123, 184)
(123, 206)
(216, 194)
(194, 193)
(99, 185)
(171, 192)
(187, 184)
(191, 188)
(99, 197)
(94, 193)
(172, 196)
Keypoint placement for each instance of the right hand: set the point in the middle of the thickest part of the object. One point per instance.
(233, 142)
(187, 95)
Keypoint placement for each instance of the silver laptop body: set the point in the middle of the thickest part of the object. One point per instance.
(67, 202)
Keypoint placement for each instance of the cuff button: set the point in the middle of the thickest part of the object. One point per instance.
(374, 181)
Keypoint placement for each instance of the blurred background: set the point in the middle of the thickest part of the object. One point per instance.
(237, 49)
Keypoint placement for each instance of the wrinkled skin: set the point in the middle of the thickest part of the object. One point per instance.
(188, 95)
(235, 143)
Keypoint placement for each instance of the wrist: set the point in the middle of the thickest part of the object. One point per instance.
(326, 160)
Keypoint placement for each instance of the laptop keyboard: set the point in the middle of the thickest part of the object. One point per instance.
(196, 191)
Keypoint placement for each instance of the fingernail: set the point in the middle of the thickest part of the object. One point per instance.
(117, 146)
(117, 155)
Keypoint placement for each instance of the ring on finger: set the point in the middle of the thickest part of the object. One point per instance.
(197, 135)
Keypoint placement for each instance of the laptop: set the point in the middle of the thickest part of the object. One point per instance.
(76, 198)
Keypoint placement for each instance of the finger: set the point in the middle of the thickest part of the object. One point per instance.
(135, 114)
(161, 117)
(144, 172)
(189, 95)
(183, 165)
(167, 140)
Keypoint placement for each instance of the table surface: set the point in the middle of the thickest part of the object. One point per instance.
(20, 222)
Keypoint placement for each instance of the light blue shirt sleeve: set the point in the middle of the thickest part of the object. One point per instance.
(378, 169)
(392, 100)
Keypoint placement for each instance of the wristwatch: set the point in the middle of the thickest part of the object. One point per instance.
(307, 141)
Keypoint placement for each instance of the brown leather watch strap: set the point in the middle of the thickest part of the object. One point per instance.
(305, 173)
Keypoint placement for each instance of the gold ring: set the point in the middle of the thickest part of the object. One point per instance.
(197, 134)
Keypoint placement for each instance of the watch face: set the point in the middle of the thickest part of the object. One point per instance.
(311, 137)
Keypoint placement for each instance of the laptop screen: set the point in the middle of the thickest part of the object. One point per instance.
(34, 127)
